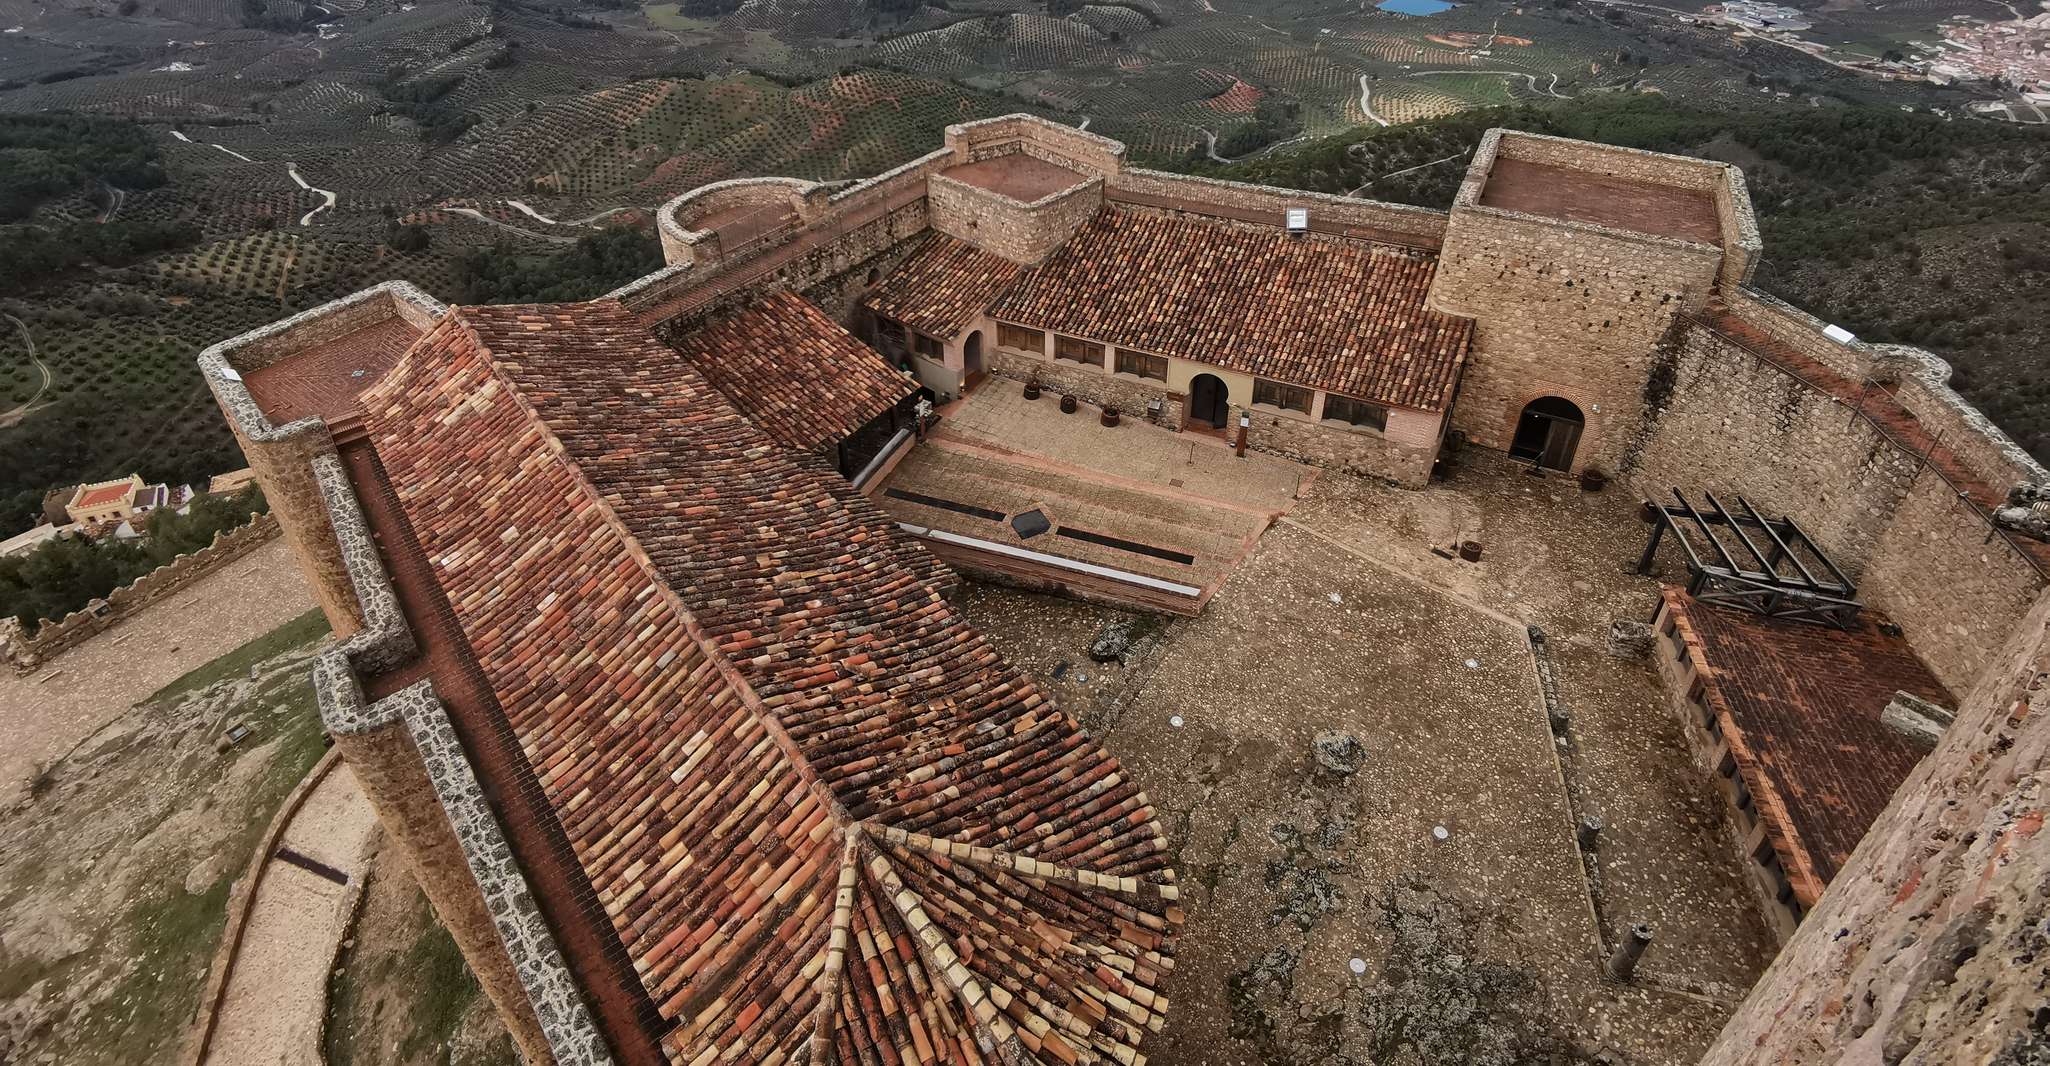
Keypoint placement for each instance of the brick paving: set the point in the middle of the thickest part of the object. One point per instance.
(1578, 196)
(325, 379)
(43, 714)
(1021, 177)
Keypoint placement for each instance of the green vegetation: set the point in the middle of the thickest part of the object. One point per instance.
(45, 156)
(598, 264)
(1902, 227)
(65, 574)
(296, 633)
(450, 987)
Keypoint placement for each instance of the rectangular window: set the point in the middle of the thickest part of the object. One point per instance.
(1145, 366)
(930, 347)
(1025, 340)
(1276, 394)
(1355, 412)
(1077, 350)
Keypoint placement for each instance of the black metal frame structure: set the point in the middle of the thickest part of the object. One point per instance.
(1782, 585)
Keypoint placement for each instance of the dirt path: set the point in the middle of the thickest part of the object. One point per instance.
(8, 418)
(44, 714)
(277, 985)
(471, 212)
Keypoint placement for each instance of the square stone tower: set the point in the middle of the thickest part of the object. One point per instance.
(1574, 260)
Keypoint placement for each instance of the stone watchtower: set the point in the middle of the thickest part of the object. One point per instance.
(1573, 260)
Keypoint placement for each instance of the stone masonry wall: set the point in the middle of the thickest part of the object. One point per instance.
(1562, 311)
(1021, 233)
(1419, 226)
(1098, 390)
(1403, 455)
(1725, 421)
(25, 653)
(1956, 592)
(388, 767)
(1732, 424)
(1932, 945)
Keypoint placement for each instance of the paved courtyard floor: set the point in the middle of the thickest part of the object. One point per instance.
(65, 700)
(1478, 945)
(1134, 497)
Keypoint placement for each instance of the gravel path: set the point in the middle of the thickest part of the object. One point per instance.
(277, 988)
(65, 700)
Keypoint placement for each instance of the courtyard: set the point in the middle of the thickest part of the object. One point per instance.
(1373, 821)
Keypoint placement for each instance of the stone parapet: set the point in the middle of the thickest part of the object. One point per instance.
(1020, 232)
(990, 138)
(51, 639)
(1418, 227)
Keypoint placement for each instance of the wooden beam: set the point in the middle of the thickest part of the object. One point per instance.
(1728, 559)
(1809, 542)
(1780, 548)
(1730, 520)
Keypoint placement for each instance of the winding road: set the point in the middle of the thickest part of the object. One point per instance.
(1367, 94)
(1530, 79)
(1210, 147)
(290, 168)
(471, 212)
(10, 417)
(584, 221)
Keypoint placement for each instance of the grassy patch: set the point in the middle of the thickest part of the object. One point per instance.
(172, 936)
(296, 633)
(447, 988)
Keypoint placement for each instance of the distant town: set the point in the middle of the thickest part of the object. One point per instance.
(2011, 57)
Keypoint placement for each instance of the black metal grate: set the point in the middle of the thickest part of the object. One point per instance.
(1132, 546)
(945, 505)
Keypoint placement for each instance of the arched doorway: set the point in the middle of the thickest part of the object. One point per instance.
(971, 353)
(1209, 401)
(1547, 433)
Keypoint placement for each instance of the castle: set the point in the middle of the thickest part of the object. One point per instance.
(697, 761)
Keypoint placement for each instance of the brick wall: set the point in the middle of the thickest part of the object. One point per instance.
(1022, 233)
(1932, 945)
(25, 653)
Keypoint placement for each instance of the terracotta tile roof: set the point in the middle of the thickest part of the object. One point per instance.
(1800, 709)
(105, 494)
(942, 287)
(1331, 314)
(819, 809)
(794, 372)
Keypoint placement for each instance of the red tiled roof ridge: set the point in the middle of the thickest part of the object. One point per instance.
(714, 653)
(949, 708)
(1336, 314)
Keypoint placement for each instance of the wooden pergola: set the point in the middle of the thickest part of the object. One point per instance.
(1744, 560)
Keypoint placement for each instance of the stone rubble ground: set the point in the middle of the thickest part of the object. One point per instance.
(1480, 945)
(142, 820)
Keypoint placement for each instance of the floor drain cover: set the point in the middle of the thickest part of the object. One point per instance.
(1030, 524)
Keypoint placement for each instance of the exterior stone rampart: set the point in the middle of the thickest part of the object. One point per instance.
(1932, 944)
(1803, 332)
(1630, 164)
(1921, 383)
(1020, 232)
(51, 639)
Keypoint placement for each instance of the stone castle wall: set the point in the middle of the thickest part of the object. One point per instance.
(1727, 421)
(1565, 312)
(1733, 424)
(25, 653)
(1419, 227)
(1932, 945)
(1021, 233)
(973, 142)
